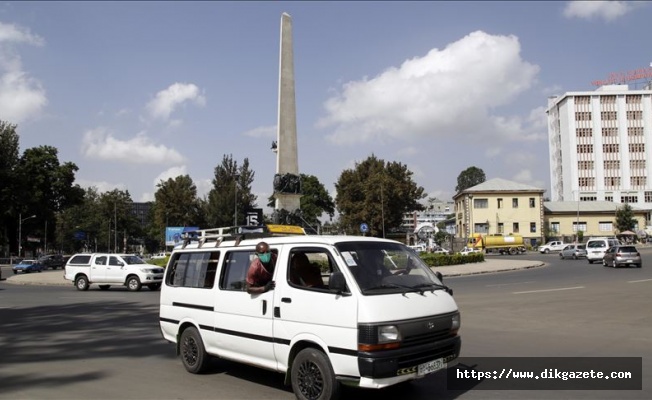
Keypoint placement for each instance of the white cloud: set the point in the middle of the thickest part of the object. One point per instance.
(10, 33)
(100, 143)
(446, 92)
(173, 172)
(21, 96)
(262, 132)
(101, 186)
(166, 101)
(607, 10)
(203, 187)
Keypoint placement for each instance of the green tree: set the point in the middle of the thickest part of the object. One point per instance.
(315, 200)
(8, 182)
(469, 177)
(231, 193)
(45, 187)
(377, 193)
(625, 220)
(175, 204)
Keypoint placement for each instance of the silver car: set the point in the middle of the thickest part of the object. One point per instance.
(622, 255)
(573, 251)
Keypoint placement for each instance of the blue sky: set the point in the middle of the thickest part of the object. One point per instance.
(136, 92)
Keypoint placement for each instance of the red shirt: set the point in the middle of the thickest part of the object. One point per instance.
(258, 274)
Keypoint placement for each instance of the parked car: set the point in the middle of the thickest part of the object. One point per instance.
(52, 261)
(27, 266)
(573, 251)
(622, 255)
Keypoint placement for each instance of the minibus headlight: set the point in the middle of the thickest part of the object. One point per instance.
(388, 333)
(456, 322)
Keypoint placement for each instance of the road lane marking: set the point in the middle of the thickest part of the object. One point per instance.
(506, 284)
(549, 290)
(642, 280)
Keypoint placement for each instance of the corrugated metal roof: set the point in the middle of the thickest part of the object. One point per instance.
(584, 206)
(501, 185)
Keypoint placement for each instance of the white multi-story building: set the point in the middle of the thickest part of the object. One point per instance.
(435, 213)
(599, 145)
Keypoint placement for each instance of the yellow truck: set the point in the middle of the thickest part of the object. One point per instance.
(504, 244)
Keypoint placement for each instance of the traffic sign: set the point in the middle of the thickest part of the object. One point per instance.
(364, 228)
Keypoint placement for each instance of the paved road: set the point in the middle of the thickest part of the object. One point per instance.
(57, 342)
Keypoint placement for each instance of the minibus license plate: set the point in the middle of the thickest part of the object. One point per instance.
(430, 367)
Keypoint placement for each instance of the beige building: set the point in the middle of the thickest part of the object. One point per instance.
(499, 206)
(593, 218)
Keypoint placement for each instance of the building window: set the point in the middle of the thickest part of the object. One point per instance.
(633, 99)
(532, 202)
(582, 116)
(584, 132)
(501, 228)
(585, 148)
(635, 131)
(637, 147)
(588, 198)
(608, 115)
(581, 225)
(637, 164)
(500, 203)
(612, 164)
(515, 227)
(610, 148)
(609, 198)
(586, 182)
(612, 181)
(585, 165)
(607, 99)
(637, 180)
(533, 227)
(648, 197)
(634, 115)
(515, 203)
(586, 100)
(609, 131)
(629, 199)
(480, 203)
(605, 226)
(554, 227)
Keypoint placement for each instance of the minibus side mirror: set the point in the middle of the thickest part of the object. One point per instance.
(337, 283)
(439, 276)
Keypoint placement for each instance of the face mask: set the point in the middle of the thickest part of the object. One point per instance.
(265, 257)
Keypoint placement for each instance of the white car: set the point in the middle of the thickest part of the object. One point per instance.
(440, 250)
(469, 250)
(159, 256)
(555, 245)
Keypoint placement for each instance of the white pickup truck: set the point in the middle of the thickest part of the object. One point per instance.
(555, 245)
(112, 269)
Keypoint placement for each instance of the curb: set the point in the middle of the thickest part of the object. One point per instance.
(485, 272)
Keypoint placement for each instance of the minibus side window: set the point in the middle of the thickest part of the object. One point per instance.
(234, 270)
(195, 270)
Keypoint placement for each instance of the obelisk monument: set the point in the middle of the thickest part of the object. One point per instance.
(287, 181)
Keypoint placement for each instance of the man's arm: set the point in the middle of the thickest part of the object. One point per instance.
(260, 289)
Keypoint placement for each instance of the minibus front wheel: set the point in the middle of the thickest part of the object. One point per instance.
(313, 377)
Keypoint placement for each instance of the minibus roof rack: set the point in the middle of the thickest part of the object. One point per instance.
(238, 233)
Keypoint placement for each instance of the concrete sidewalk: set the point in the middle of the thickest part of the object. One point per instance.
(490, 265)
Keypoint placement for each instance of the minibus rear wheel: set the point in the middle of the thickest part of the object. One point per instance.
(313, 377)
(192, 352)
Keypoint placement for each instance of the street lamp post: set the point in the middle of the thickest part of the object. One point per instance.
(20, 231)
(235, 199)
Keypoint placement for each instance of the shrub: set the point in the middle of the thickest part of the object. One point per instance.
(439, 260)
